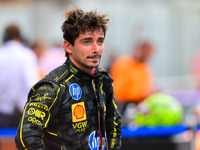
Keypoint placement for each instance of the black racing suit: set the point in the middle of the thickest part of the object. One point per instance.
(62, 112)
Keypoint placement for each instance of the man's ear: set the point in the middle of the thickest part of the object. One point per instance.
(67, 46)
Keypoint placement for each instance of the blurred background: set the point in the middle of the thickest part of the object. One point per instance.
(173, 27)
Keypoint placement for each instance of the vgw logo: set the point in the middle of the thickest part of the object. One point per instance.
(75, 91)
(94, 141)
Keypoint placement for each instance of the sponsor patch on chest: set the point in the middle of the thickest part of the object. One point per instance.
(78, 112)
(79, 117)
(75, 91)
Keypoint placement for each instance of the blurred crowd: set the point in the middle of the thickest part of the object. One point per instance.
(22, 64)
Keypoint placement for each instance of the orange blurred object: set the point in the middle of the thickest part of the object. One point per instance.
(132, 79)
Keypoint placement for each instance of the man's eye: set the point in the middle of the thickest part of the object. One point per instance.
(100, 41)
(86, 42)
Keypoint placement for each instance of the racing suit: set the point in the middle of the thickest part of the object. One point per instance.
(70, 109)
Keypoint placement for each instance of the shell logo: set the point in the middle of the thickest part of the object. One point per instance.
(78, 112)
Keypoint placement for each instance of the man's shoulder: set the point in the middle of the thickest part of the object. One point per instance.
(104, 75)
(53, 80)
(58, 75)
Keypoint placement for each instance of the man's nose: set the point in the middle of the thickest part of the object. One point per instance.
(95, 47)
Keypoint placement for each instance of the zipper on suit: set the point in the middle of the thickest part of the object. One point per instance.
(98, 109)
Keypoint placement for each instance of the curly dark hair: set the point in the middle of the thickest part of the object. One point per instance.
(77, 22)
(11, 32)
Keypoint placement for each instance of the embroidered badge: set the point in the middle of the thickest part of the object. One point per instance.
(75, 91)
(78, 112)
(94, 141)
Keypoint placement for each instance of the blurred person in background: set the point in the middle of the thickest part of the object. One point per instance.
(40, 49)
(195, 65)
(46, 56)
(195, 61)
(132, 76)
(18, 66)
(48, 61)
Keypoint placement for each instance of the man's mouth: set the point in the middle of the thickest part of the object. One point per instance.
(94, 56)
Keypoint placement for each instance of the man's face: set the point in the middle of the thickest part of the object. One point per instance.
(87, 50)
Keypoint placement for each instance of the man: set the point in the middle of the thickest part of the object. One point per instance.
(18, 66)
(132, 76)
(73, 107)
